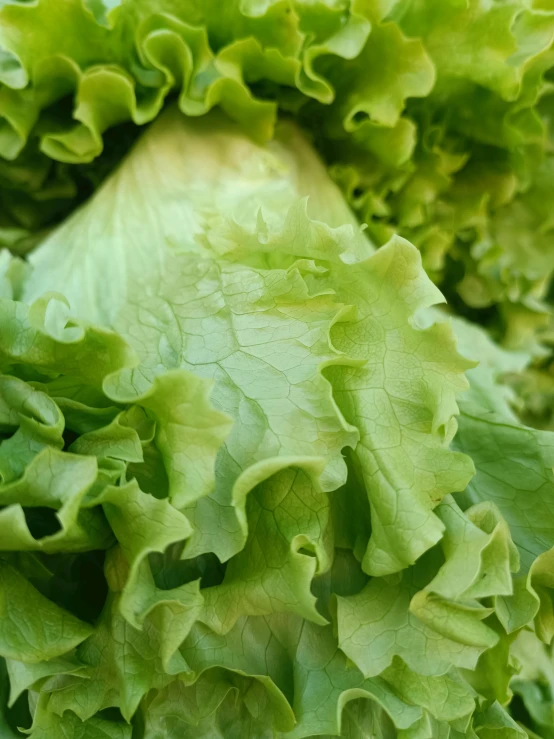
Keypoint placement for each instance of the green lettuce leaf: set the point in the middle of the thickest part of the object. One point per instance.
(119, 663)
(403, 400)
(286, 547)
(44, 631)
(514, 470)
(48, 725)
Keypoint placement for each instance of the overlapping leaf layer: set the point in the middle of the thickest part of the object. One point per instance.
(252, 482)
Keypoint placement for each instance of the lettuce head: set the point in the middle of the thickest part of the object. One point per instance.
(276, 438)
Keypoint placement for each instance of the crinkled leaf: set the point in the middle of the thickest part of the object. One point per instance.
(403, 400)
(48, 725)
(287, 525)
(377, 624)
(32, 627)
(59, 482)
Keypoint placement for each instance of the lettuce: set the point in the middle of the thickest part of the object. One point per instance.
(433, 116)
(256, 478)
(254, 446)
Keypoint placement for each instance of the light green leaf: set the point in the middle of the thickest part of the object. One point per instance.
(32, 628)
(287, 525)
(479, 554)
(487, 395)
(24, 676)
(121, 665)
(479, 560)
(378, 624)
(60, 482)
(514, 470)
(33, 422)
(250, 649)
(495, 670)
(474, 40)
(325, 685)
(40, 337)
(403, 400)
(375, 85)
(13, 272)
(535, 680)
(84, 408)
(141, 524)
(117, 440)
(182, 712)
(496, 722)
(533, 599)
(445, 697)
(188, 430)
(295, 662)
(48, 725)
